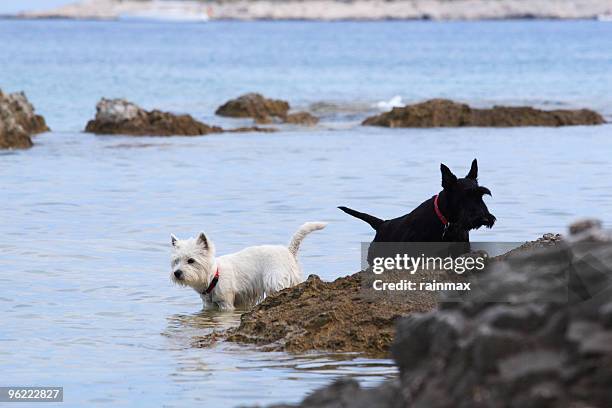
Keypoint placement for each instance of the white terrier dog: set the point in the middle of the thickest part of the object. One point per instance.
(240, 279)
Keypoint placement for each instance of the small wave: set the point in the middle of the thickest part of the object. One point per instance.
(394, 102)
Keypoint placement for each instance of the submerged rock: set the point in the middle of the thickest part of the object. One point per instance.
(301, 118)
(536, 334)
(251, 129)
(446, 113)
(264, 110)
(18, 121)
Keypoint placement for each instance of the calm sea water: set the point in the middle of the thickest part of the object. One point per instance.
(85, 220)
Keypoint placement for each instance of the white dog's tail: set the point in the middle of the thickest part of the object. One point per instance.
(298, 237)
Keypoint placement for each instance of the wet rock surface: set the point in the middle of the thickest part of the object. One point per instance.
(264, 110)
(18, 121)
(317, 315)
(447, 113)
(118, 116)
(549, 344)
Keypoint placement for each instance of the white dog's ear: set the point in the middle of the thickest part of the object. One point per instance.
(174, 239)
(203, 241)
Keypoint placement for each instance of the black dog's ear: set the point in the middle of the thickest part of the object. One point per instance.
(448, 178)
(484, 190)
(473, 174)
(202, 240)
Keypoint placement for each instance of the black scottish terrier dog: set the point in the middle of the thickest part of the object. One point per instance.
(446, 217)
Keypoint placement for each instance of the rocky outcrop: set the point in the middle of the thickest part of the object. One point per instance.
(317, 315)
(537, 333)
(264, 110)
(345, 315)
(118, 116)
(18, 121)
(256, 106)
(446, 113)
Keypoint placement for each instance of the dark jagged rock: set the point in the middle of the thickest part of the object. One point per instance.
(18, 121)
(118, 116)
(536, 334)
(447, 113)
(345, 393)
(578, 227)
(264, 110)
(256, 106)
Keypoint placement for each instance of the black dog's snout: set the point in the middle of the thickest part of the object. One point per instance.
(178, 274)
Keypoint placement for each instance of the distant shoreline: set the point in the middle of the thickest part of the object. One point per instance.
(329, 10)
(364, 20)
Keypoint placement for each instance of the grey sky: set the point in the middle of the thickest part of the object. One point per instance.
(13, 6)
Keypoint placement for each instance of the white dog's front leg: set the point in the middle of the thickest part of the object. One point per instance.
(207, 304)
(226, 306)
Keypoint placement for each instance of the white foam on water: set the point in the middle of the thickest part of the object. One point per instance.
(394, 102)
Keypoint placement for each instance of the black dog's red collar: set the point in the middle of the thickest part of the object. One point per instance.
(439, 213)
(213, 282)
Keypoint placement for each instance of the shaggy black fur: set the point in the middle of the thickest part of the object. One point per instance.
(460, 201)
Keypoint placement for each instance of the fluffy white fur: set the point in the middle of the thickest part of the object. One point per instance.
(245, 277)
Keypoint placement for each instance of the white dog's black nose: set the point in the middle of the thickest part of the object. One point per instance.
(178, 274)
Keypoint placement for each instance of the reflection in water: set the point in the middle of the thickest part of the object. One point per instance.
(222, 363)
(183, 329)
(204, 319)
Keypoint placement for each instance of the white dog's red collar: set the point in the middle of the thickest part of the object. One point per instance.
(439, 213)
(213, 282)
